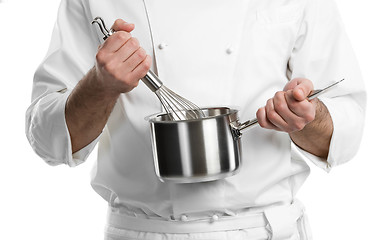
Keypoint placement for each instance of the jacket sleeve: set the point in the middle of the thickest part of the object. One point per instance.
(322, 53)
(70, 55)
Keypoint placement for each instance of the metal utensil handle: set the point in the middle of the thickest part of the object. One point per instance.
(318, 92)
(150, 79)
(252, 123)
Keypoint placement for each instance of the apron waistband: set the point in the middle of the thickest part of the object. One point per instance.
(280, 221)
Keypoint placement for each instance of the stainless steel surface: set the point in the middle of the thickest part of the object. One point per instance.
(177, 107)
(196, 150)
(201, 149)
(252, 123)
(152, 81)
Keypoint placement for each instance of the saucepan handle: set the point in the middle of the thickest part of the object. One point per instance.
(245, 126)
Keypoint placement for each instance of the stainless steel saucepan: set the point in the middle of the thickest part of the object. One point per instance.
(203, 149)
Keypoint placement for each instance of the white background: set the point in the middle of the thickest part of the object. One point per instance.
(42, 202)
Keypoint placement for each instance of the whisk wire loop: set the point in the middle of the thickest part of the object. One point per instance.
(177, 107)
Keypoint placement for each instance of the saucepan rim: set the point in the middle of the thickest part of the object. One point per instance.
(157, 117)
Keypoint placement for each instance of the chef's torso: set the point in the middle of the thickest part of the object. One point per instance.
(215, 53)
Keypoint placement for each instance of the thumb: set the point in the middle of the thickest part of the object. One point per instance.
(121, 25)
(298, 93)
(302, 89)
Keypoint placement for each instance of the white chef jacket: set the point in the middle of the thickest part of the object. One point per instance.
(216, 53)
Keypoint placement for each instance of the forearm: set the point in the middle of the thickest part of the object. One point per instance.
(87, 111)
(315, 137)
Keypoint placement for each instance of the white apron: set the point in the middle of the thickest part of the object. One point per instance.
(286, 222)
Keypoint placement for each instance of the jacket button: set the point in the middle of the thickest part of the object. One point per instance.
(183, 218)
(214, 218)
(162, 46)
(229, 51)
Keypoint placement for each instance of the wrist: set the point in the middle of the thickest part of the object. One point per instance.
(315, 137)
(322, 115)
(97, 86)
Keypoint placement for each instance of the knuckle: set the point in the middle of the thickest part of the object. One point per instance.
(133, 42)
(146, 65)
(297, 126)
(280, 106)
(141, 53)
(100, 56)
(122, 36)
(271, 115)
(109, 67)
(309, 117)
(278, 95)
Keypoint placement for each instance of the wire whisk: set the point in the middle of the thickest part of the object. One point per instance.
(177, 107)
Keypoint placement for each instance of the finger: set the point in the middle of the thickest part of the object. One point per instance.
(282, 109)
(135, 59)
(121, 25)
(273, 116)
(141, 70)
(116, 41)
(302, 89)
(290, 85)
(304, 109)
(127, 49)
(263, 121)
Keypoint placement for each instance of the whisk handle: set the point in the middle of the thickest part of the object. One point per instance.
(152, 81)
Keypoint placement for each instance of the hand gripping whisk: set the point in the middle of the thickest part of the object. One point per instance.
(176, 107)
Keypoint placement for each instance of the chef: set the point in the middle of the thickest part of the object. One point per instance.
(263, 56)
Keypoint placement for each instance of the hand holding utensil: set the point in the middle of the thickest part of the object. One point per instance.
(315, 93)
(177, 107)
